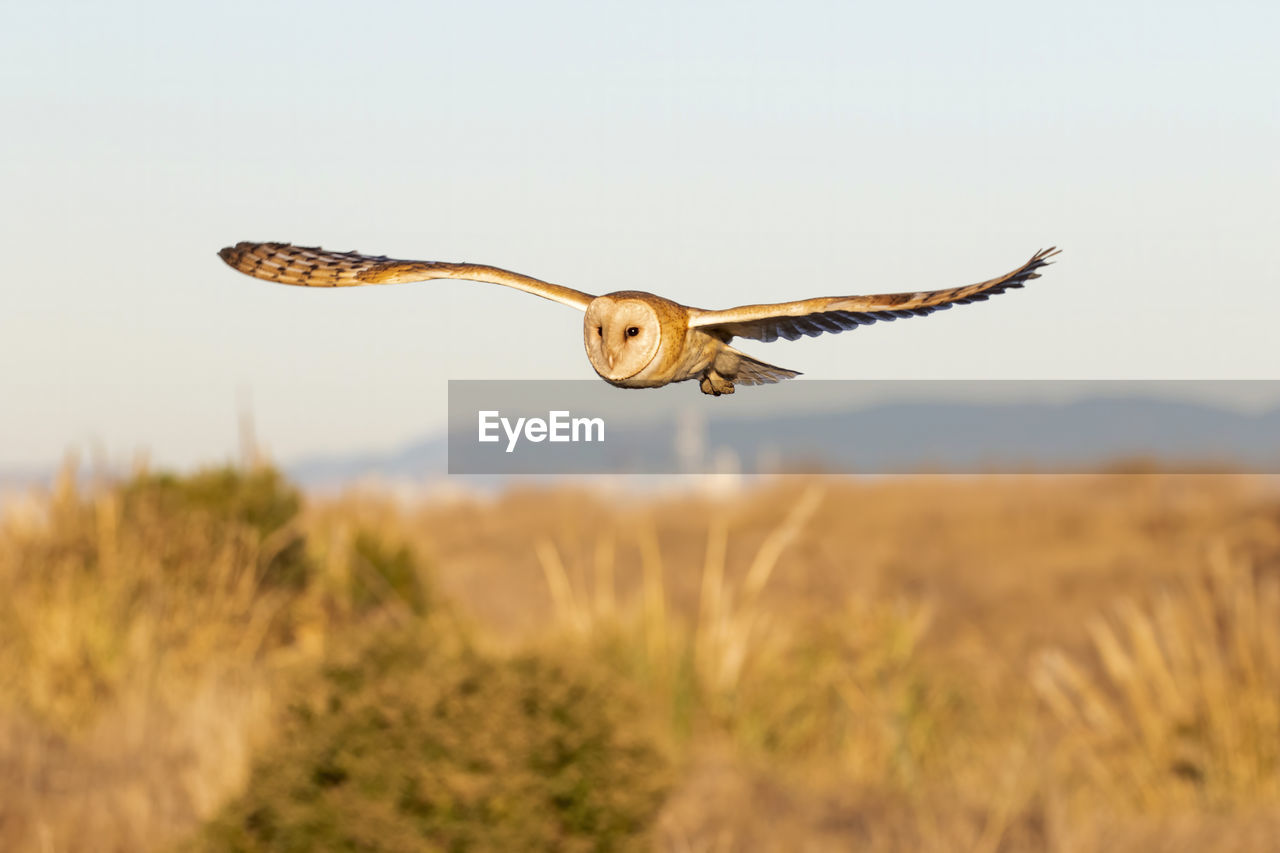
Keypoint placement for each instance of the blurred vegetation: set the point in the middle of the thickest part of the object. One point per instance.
(210, 660)
(232, 502)
(412, 745)
(1185, 700)
(197, 603)
(384, 570)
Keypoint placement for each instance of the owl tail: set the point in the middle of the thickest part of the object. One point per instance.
(742, 369)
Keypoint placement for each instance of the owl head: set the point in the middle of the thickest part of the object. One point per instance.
(622, 334)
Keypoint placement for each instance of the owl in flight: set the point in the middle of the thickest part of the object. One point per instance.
(636, 339)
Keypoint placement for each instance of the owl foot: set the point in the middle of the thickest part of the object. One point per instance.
(715, 384)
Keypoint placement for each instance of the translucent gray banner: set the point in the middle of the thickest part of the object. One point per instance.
(869, 427)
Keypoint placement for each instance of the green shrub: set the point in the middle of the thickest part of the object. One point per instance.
(412, 746)
(259, 499)
(383, 571)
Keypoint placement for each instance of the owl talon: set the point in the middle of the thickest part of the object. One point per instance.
(716, 385)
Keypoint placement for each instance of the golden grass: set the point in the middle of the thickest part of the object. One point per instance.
(883, 659)
(140, 642)
(129, 703)
(1069, 663)
(1183, 710)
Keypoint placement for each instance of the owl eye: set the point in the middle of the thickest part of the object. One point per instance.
(632, 331)
(600, 331)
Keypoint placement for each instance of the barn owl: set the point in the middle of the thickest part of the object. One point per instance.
(636, 339)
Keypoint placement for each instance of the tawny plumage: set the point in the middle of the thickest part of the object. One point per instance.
(636, 339)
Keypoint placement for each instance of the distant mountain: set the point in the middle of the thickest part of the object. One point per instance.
(425, 459)
(1088, 434)
(960, 437)
(19, 480)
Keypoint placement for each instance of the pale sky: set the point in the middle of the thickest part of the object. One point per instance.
(716, 153)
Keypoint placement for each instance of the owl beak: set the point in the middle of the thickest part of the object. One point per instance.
(608, 356)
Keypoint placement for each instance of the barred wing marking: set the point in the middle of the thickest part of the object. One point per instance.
(315, 267)
(792, 320)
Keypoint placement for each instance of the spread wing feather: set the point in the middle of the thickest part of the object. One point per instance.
(792, 320)
(315, 267)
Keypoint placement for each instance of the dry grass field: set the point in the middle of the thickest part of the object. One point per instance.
(1071, 663)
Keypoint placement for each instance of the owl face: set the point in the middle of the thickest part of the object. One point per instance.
(621, 335)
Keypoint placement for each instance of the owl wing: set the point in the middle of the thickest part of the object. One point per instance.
(315, 267)
(792, 320)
